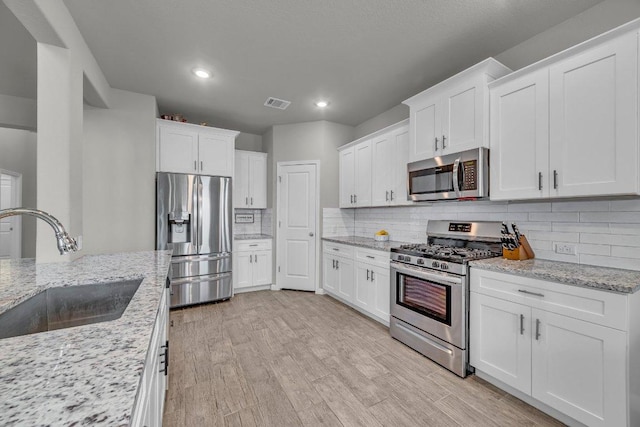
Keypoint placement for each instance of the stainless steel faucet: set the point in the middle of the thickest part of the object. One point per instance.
(66, 243)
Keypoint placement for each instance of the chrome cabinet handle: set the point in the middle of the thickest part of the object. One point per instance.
(372, 275)
(255, 259)
(392, 195)
(531, 293)
(195, 165)
(367, 274)
(201, 165)
(333, 264)
(522, 324)
(250, 259)
(337, 265)
(555, 179)
(355, 198)
(252, 201)
(436, 144)
(246, 201)
(444, 140)
(386, 198)
(539, 180)
(537, 329)
(371, 257)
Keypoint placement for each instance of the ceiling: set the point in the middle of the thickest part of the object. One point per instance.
(18, 66)
(363, 56)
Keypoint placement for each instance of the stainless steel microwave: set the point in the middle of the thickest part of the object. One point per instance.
(463, 175)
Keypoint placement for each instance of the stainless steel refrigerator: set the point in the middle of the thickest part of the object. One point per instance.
(194, 219)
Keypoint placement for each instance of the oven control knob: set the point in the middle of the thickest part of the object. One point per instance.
(420, 261)
(407, 258)
(444, 266)
(435, 264)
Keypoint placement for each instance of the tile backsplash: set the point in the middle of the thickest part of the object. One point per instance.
(604, 232)
(261, 222)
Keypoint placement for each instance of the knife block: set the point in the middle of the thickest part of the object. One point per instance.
(520, 253)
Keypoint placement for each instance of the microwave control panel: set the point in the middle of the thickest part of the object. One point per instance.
(470, 180)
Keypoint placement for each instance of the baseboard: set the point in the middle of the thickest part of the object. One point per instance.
(252, 289)
(358, 309)
(320, 291)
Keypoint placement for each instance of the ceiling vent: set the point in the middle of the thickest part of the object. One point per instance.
(280, 104)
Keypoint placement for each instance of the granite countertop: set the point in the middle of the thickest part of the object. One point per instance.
(251, 236)
(83, 375)
(589, 276)
(364, 242)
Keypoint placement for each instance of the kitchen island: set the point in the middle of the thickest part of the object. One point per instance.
(81, 375)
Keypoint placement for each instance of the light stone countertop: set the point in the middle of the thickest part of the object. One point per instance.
(364, 242)
(85, 375)
(589, 276)
(251, 237)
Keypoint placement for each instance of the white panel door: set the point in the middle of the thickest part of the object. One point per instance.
(383, 170)
(10, 227)
(425, 128)
(242, 269)
(241, 180)
(363, 174)
(381, 304)
(519, 138)
(400, 149)
(346, 278)
(178, 150)
(215, 155)
(257, 181)
(579, 368)
(347, 177)
(594, 119)
(262, 268)
(500, 340)
(462, 117)
(363, 295)
(297, 216)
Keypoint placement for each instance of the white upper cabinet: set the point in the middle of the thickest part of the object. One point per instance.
(188, 148)
(567, 126)
(250, 180)
(452, 116)
(373, 169)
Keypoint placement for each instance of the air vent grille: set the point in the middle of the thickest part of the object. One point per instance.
(280, 104)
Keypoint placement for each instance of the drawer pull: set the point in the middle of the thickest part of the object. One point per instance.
(336, 249)
(522, 324)
(537, 329)
(255, 244)
(372, 257)
(531, 293)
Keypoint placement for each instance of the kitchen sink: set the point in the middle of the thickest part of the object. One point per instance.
(66, 307)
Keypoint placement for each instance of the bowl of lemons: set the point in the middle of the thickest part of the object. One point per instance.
(381, 236)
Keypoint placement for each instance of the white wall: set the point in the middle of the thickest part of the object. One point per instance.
(249, 142)
(18, 154)
(17, 112)
(605, 232)
(119, 174)
(381, 121)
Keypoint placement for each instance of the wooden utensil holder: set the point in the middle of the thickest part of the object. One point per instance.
(522, 252)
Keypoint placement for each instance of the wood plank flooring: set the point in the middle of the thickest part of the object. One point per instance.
(291, 358)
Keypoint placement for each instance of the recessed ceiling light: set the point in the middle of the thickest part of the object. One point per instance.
(322, 104)
(203, 74)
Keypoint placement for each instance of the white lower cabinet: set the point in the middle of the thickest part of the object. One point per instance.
(554, 343)
(252, 264)
(149, 405)
(358, 277)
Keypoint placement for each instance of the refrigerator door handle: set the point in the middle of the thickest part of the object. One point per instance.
(199, 186)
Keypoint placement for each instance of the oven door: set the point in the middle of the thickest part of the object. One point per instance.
(431, 301)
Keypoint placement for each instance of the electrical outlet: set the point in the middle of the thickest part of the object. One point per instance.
(565, 249)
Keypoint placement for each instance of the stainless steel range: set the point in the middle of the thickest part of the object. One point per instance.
(430, 289)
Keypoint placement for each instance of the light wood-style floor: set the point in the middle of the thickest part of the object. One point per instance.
(291, 358)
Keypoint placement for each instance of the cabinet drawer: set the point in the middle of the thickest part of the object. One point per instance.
(338, 249)
(370, 256)
(253, 245)
(600, 307)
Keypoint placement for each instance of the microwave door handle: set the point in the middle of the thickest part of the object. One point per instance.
(456, 183)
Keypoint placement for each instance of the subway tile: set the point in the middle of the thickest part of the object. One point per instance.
(614, 217)
(610, 239)
(625, 229)
(529, 207)
(626, 252)
(591, 249)
(555, 236)
(625, 205)
(581, 227)
(551, 255)
(543, 245)
(581, 206)
(555, 216)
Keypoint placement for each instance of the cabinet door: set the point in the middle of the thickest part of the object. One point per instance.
(178, 150)
(363, 173)
(462, 116)
(383, 168)
(243, 269)
(400, 156)
(363, 292)
(381, 304)
(593, 121)
(257, 181)
(519, 129)
(329, 274)
(500, 340)
(425, 138)
(215, 154)
(345, 278)
(347, 177)
(579, 368)
(241, 180)
(262, 268)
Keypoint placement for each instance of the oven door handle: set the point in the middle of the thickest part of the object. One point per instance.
(426, 275)
(456, 182)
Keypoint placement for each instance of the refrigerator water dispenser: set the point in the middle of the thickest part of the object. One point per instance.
(179, 227)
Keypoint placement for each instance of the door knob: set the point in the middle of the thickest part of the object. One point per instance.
(311, 234)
